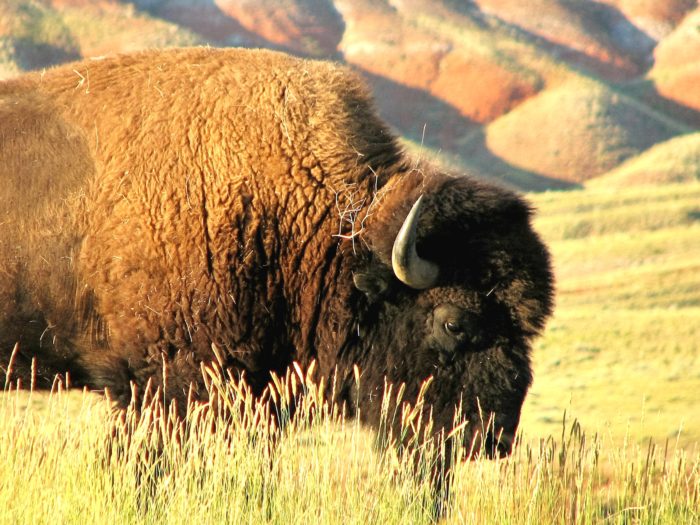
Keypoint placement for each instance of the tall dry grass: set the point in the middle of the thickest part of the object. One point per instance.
(293, 457)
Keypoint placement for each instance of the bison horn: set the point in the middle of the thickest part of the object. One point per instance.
(408, 267)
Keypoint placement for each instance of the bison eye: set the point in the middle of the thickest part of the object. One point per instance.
(453, 327)
(450, 325)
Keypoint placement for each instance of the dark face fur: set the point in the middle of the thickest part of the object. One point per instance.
(471, 330)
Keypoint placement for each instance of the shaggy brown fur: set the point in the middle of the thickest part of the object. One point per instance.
(156, 203)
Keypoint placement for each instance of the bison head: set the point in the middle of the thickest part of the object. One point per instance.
(455, 285)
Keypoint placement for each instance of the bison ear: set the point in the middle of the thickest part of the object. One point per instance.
(371, 284)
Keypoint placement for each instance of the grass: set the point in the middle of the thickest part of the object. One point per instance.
(580, 479)
(72, 461)
(620, 356)
(622, 351)
(592, 214)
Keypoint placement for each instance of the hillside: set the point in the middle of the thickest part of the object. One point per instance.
(656, 19)
(676, 71)
(33, 36)
(577, 131)
(539, 96)
(675, 160)
(593, 35)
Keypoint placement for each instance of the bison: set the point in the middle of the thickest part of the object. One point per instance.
(157, 206)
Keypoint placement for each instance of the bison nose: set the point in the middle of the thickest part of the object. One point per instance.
(491, 445)
(499, 444)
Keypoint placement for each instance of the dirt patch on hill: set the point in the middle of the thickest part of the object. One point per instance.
(377, 40)
(480, 89)
(307, 26)
(681, 47)
(480, 86)
(683, 86)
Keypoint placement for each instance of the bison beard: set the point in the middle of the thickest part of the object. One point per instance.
(159, 203)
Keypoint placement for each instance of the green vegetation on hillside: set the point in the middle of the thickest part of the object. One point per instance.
(32, 35)
(672, 161)
(103, 31)
(499, 42)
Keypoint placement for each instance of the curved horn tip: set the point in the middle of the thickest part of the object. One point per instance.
(408, 267)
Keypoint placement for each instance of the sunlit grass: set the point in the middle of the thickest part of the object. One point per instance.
(594, 212)
(623, 348)
(579, 478)
(228, 462)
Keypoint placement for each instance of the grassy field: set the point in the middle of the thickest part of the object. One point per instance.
(623, 350)
(620, 358)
